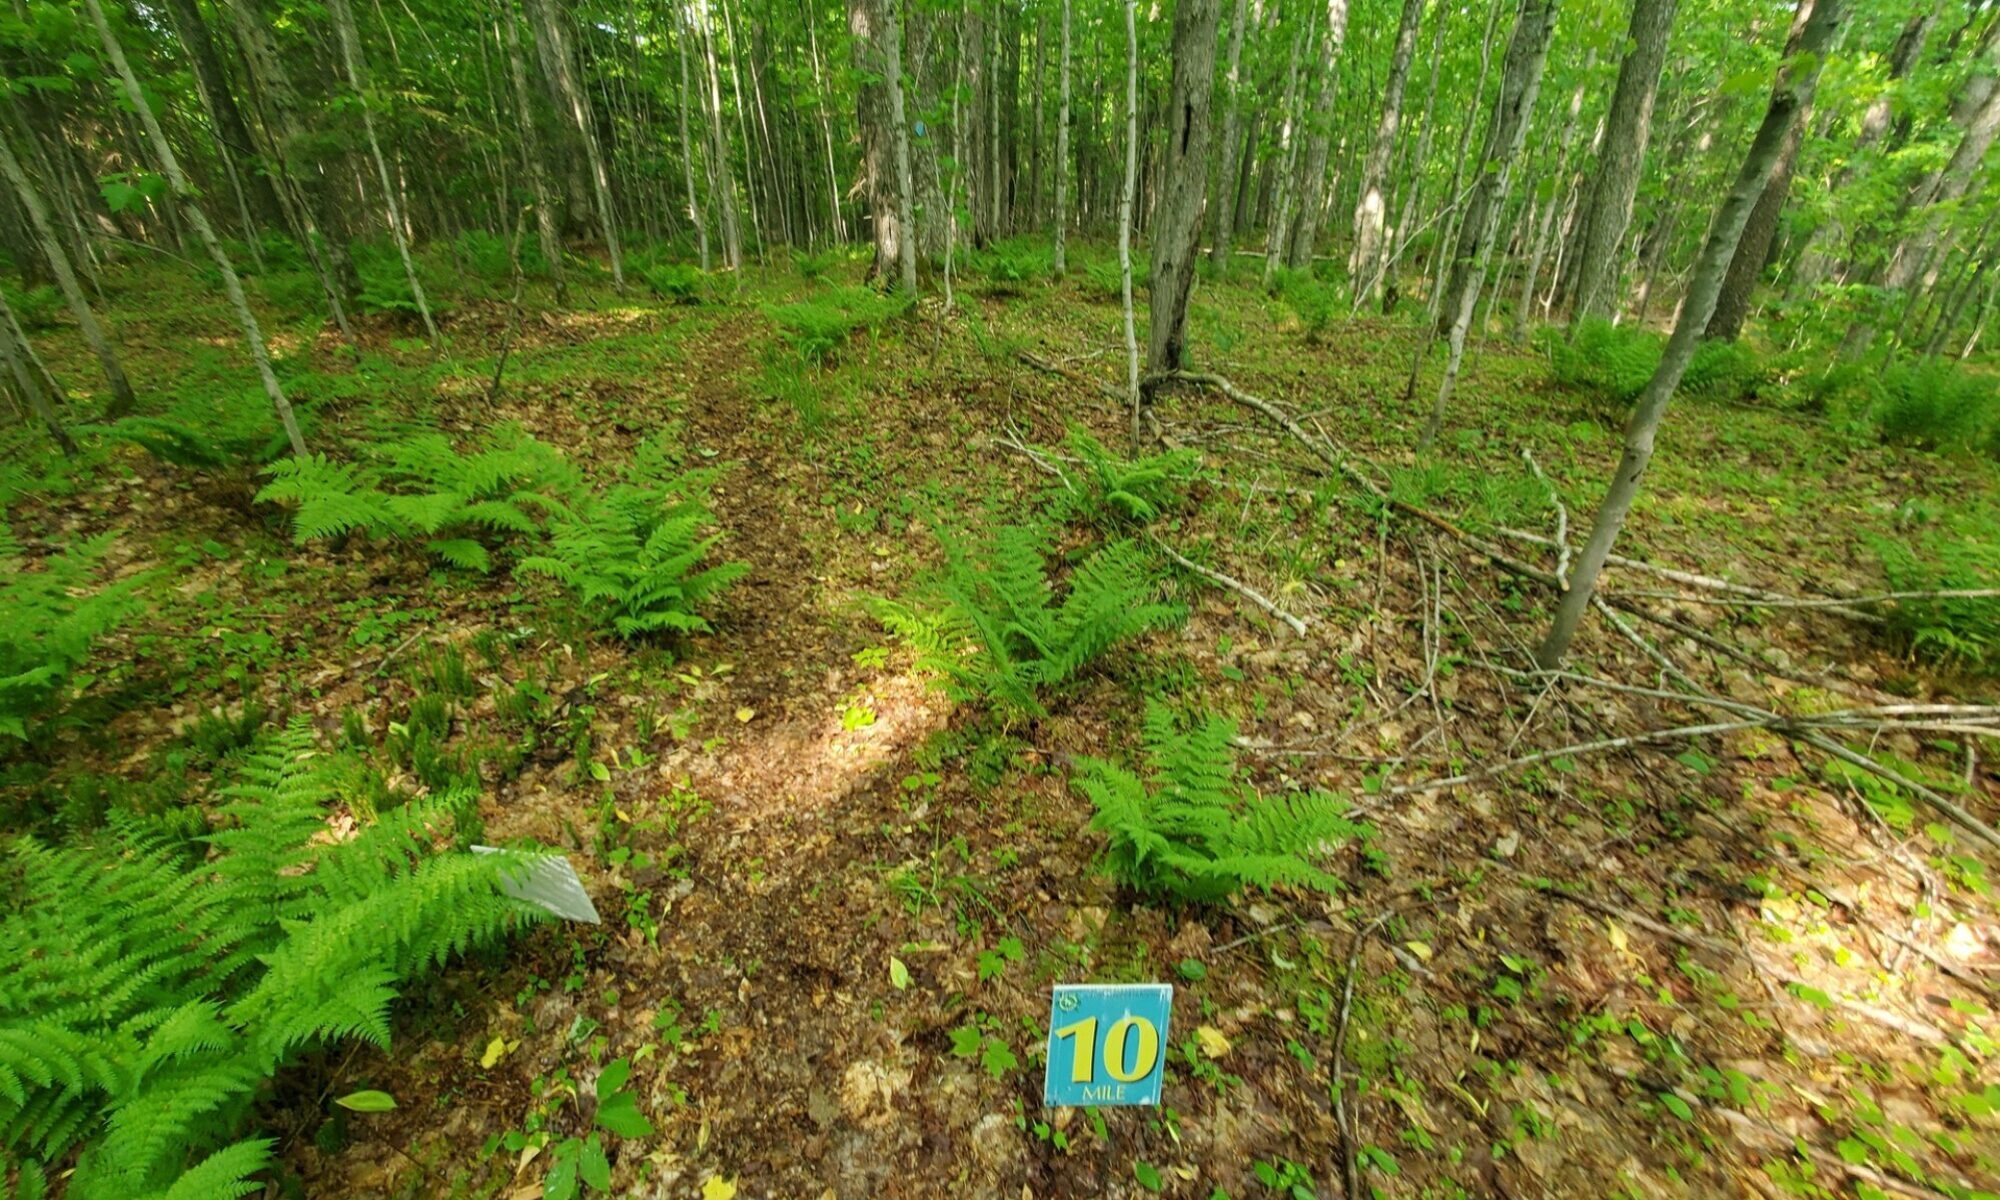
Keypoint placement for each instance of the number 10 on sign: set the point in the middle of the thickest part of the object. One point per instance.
(1107, 1043)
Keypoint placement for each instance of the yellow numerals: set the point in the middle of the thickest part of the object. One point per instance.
(1131, 1049)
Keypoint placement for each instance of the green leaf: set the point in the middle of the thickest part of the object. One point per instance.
(899, 974)
(1148, 1177)
(367, 1102)
(594, 1166)
(1677, 1106)
(998, 1058)
(620, 1114)
(965, 1041)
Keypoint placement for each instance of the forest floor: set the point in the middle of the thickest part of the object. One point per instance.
(1704, 965)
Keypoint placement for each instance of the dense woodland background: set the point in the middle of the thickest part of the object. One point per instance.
(920, 501)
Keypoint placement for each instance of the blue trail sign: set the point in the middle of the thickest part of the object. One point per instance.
(1107, 1043)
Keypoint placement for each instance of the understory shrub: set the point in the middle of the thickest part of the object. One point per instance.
(156, 983)
(385, 286)
(1008, 267)
(1932, 405)
(1311, 299)
(48, 622)
(815, 267)
(1189, 830)
(676, 283)
(1614, 361)
(997, 631)
(1958, 631)
(1103, 279)
(817, 327)
(421, 487)
(37, 307)
(209, 432)
(488, 255)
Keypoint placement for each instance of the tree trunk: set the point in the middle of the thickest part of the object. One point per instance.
(1223, 228)
(59, 264)
(1125, 197)
(1311, 186)
(31, 378)
(1977, 113)
(1448, 234)
(1791, 95)
(184, 194)
(695, 216)
(721, 180)
(1616, 181)
(308, 211)
(549, 31)
(546, 233)
(231, 132)
(1288, 142)
(1371, 211)
(1177, 228)
(899, 128)
(1520, 81)
(357, 77)
(1062, 163)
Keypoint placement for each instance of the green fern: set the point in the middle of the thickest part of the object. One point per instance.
(1108, 490)
(46, 628)
(1191, 831)
(155, 985)
(634, 556)
(207, 433)
(818, 327)
(420, 487)
(999, 633)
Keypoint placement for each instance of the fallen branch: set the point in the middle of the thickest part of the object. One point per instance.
(1043, 364)
(1835, 603)
(1220, 580)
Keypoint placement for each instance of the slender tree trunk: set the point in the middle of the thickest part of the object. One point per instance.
(1223, 229)
(1371, 211)
(838, 222)
(59, 264)
(546, 232)
(548, 28)
(1622, 161)
(1531, 276)
(1520, 81)
(31, 379)
(1125, 198)
(1977, 114)
(1452, 199)
(722, 181)
(231, 131)
(899, 127)
(695, 216)
(357, 78)
(1177, 229)
(1062, 164)
(1311, 187)
(1288, 142)
(1399, 235)
(177, 182)
(1791, 95)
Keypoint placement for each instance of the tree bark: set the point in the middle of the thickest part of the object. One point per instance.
(58, 259)
(549, 32)
(1520, 81)
(357, 77)
(721, 179)
(31, 379)
(231, 131)
(1125, 197)
(1311, 187)
(900, 130)
(1791, 95)
(1062, 163)
(1177, 227)
(546, 233)
(1223, 229)
(1627, 128)
(1371, 211)
(184, 194)
(1288, 141)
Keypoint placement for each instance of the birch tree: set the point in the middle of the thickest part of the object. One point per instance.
(899, 127)
(1371, 209)
(1177, 224)
(1062, 163)
(1125, 198)
(184, 196)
